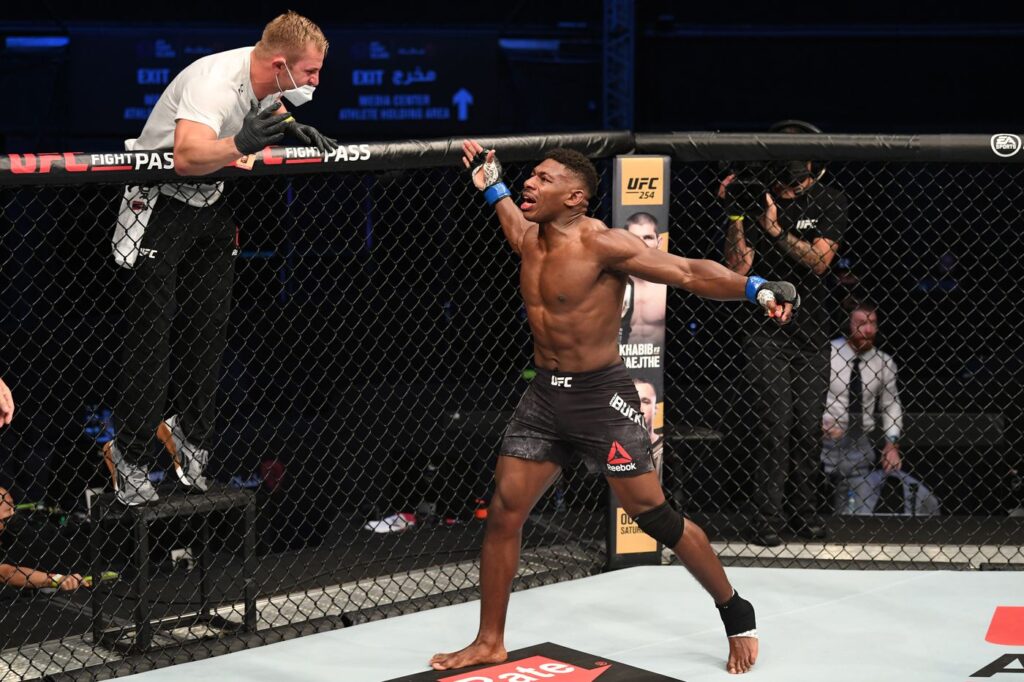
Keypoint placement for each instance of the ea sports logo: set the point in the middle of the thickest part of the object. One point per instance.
(1005, 144)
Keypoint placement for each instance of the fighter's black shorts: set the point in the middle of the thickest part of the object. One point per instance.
(593, 416)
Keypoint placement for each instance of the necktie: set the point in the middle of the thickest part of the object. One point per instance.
(856, 410)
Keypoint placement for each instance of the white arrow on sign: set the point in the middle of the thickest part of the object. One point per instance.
(462, 99)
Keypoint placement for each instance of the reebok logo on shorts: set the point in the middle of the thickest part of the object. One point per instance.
(626, 411)
(619, 459)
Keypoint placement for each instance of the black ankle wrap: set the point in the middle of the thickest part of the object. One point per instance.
(737, 616)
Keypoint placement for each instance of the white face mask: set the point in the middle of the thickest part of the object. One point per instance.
(297, 96)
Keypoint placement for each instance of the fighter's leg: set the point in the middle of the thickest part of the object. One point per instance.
(519, 483)
(644, 500)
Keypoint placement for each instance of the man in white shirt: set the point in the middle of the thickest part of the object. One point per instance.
(182, 236)
(863, 396)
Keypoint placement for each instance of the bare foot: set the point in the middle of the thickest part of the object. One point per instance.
(474, 654)
(742, 654)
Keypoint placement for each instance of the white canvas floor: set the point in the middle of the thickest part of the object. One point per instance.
(836, 625)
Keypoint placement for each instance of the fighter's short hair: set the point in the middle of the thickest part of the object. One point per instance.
(579, 165)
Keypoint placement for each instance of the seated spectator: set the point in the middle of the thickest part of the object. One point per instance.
(862, 395)
(22, 576)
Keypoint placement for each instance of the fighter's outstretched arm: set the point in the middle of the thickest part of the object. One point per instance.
(487, 178)
(623, 251)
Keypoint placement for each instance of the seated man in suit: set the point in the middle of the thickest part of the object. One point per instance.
(862, 394)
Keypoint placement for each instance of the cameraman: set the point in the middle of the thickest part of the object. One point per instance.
(793, 235)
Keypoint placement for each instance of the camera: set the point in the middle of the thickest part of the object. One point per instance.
(745, 194)
(753, 179)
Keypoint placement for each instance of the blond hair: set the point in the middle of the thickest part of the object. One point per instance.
(289, 34)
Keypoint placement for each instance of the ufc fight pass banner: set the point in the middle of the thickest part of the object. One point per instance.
(640, 205)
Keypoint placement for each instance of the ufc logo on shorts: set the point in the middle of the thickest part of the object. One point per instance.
(563, 382)
(147, 253)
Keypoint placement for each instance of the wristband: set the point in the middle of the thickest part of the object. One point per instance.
(496, 192)
(753, 284)
(736, 218)
(55, 579)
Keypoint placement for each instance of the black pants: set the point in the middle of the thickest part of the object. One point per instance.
(180, 291)
(788, 388)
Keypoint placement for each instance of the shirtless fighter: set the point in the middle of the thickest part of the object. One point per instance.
(573, 275)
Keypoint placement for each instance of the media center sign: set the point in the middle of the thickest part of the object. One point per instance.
(422, 79)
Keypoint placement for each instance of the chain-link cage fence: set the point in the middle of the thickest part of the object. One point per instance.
(373, 350)
(372, 353)
(918, 303)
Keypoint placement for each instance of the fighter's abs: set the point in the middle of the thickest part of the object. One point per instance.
(573, 308)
